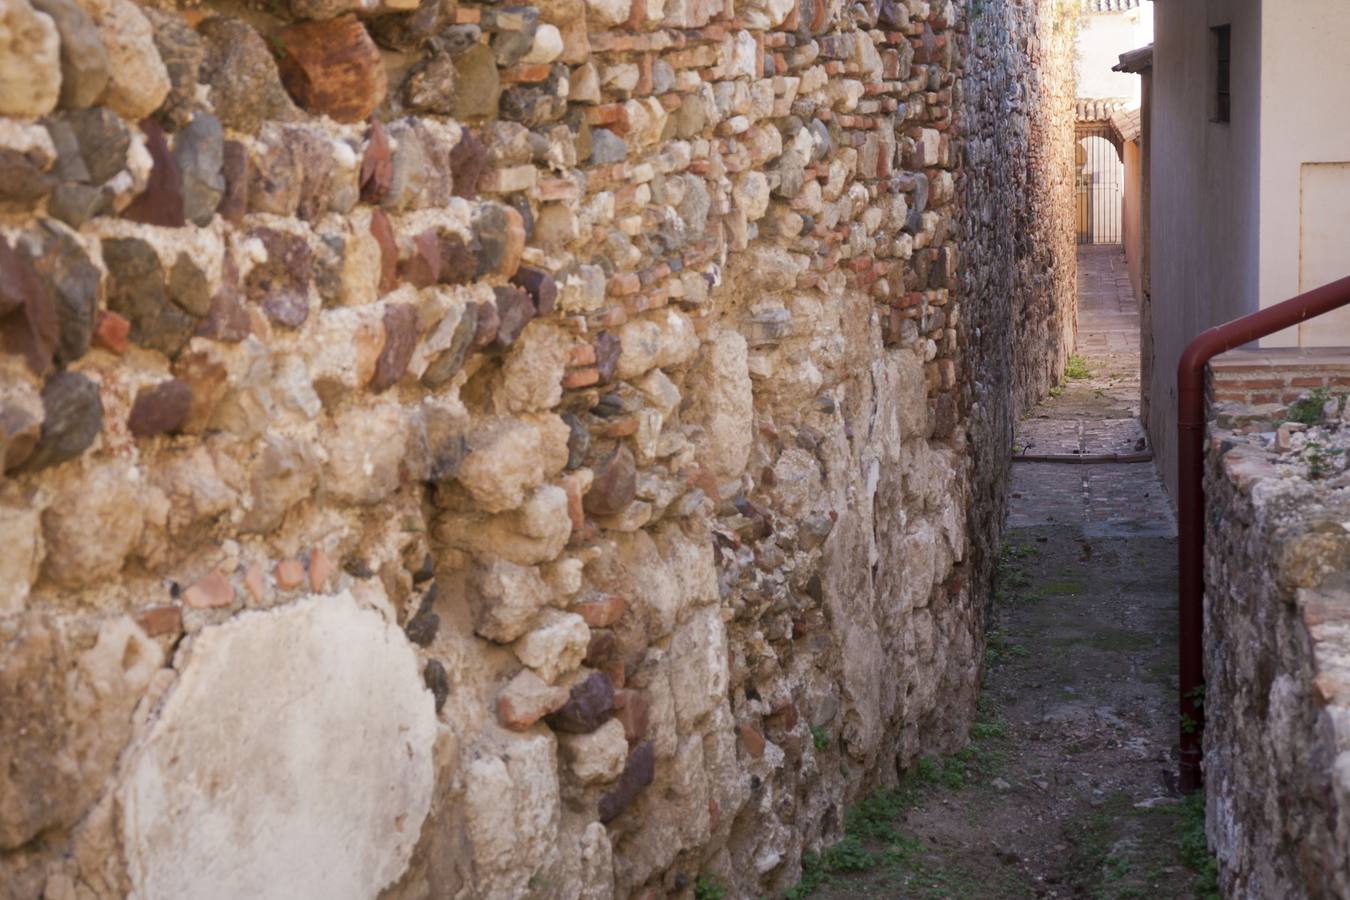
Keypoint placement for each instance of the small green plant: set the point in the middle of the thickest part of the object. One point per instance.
(820, 737)
(1076, 369)
(1194, 848)
(1309, 410)
(1319, 460)
(707, 887)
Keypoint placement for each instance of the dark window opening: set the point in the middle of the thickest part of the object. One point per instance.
(1223, 36)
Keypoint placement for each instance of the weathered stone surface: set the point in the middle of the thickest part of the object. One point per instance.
(67, 703)
(199, 150)
(183, 51)
(72, 282)
(137, 79)
(84, 61)
(638, 771)
(615, 484)
(400, 336)
(478, 84)
(512, 806)
(505, 600)
(71, 421)
(281, 283)
(588, 705)
(596, 757)
(245, 89)
(332, 67)
(301, 664)
(526, 699)
(508, 458)
(28, 318)
(103, 141)
(30, 65)
(136, 291)
(556, 646)
(91, 526)
(21, 552)
(161, 203)
(159, 409)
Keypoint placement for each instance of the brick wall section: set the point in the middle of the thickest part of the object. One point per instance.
(1254, 377)
(498, 451)
(1277, 667)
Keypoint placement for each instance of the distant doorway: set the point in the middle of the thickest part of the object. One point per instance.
(1100, 183)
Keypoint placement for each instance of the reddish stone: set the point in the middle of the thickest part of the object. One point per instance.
(607, 352)
(209, 592)
(572, 486)
(541, 287)
(332, 67)
(161, 203)
(631, 709)
(752, 741)
(256, 582)
(234, 202)
(110, 332)
(401, 330)
(581, 378)
(638, 772)
(383, 232)
(488, 321)
(514, 310)
(614, 486)
(227, 319)
(467, 162)
(160, 620)
(603, 612)
(377, 165)
(159, 409)
(290, 574)
(458, 265)
(784, 716)
(281, 283)
(28, 322)
(588, 705)
(321, 569)
(600, 652)
(423, 267)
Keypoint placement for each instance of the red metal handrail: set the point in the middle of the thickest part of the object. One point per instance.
(1191, 490)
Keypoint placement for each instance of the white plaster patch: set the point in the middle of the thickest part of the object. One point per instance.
(293, 759)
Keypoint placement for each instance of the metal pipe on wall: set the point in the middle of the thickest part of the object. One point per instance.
(1191, 492)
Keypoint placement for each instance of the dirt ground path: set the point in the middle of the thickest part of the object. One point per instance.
(1067, 788)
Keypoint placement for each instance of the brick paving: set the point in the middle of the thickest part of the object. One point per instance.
(1094, 415)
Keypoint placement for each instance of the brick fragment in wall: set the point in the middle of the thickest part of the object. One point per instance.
(625, 325)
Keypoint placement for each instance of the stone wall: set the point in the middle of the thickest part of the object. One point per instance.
(1277, 660)
(494, 451)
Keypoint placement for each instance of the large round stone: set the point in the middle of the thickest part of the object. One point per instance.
(292, 759)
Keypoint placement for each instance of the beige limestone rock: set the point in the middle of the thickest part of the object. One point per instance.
(506, 600)
(30, 61)
(533, 371)
(511, 812)
(92, 524)
(535, 533)
(286, 473)
(556, 646)
(508, 458)
(138, 81)
(698, 667)
(596, 757)
(21, 551)
(724, 404)
(365, 458)
(66, 714)
(254, 809)
(526, 699)
(607, 12)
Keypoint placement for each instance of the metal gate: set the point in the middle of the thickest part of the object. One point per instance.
(1100, 177)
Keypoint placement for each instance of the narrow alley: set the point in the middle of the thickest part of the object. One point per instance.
(1067, 788)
